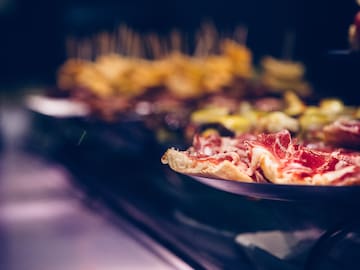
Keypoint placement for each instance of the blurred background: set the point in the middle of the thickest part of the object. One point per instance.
(39, 206)
(33, 32)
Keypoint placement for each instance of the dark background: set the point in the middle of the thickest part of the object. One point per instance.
(33, 31)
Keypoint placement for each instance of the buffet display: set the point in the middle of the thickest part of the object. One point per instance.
(198, 138)
(247, 122)
(115, 82)
(290, 143)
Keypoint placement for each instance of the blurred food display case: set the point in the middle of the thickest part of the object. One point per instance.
(126, 101)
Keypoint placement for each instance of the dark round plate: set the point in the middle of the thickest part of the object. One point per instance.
(333, 194)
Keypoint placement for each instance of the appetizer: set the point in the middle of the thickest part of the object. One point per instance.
(283, 75)
(274, 158)
(273, 114)
(116, 82)
(281, 141)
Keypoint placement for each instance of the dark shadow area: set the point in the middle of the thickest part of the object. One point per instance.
(33, 32)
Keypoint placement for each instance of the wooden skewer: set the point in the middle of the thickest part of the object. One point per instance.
(123, 34)
(241, 34)
(185, 44)
(128, 42)
(155, 45)
(130, 39)
(108, 38)
(119, 45)
(87, 49)
(175, 40)
(112, 43)
(137, 46)
(131, 43)
(142, 45)
(79, 50)
(146, 46)
(102, 44)
(97, 42)
(165, 46)
(199, 47)
(70, 47)
(289, 45)
(209, 36)
(206, 40)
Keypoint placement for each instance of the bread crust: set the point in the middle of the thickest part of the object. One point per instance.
(180, 162)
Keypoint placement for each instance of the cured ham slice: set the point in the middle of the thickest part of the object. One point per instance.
(284, 161)
(213, 156)
(344, 133)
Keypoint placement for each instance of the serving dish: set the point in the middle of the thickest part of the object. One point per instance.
(304, 193)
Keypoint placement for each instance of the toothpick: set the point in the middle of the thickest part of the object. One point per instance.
(241, 34)
(129, 43)
(87, 49)
(102, 43)
(209, 36)
(119, 45)
(146, 46)
(289, 45)
(142, 44)
(123, 33)
(185, 43)
(137, 52)
(80, 49)
(155, 45)
(199, 47)
(70, 47)
(165, 47)
(77, 49)
(112, 43)
(175, 40)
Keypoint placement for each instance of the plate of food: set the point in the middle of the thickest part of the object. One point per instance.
(311, 153)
